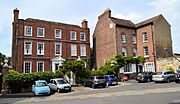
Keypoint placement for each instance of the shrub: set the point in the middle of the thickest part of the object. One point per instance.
(13, 72)
(16, 82)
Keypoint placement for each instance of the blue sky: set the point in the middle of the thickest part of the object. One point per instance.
(74, 11)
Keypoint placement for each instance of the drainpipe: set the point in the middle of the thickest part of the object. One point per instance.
(154, 52)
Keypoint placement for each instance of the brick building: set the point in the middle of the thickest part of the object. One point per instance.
(113, 36)
(39, 45)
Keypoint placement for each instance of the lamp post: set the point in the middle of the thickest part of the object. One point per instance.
(171, 54)
(4, 72)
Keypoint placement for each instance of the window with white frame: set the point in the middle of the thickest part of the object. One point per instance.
(40, 32)
(58, 49)
(149, 66)
(123, 38)
(124, 52)
(40, 48)
(128, 68)
(134, 39)
(27, 66)
(145, 37)
(73, 50)
(135, 52)
(57, 33)
(146, 53)
(72, 35)
(28, 31)
(83, 50)
(83, 36)
(40, 66)
(27, 48)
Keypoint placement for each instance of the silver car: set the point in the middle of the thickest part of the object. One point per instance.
(164, 76)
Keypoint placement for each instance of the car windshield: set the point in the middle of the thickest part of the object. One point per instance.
(39, 84)
(158, 73)
(99, 77)
(112, 76)
(178, 71)
(62, 81)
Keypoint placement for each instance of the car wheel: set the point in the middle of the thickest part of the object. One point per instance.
(168, 80)
(177, 81)
(58, 90)
(139, 81)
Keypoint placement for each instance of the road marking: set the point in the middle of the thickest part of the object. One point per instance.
(124, 93)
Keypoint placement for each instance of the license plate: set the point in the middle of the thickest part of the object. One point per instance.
(66, 88)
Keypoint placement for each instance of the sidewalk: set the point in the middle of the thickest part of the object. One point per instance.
(18, 95)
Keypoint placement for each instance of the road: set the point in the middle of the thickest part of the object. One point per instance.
(129, 92)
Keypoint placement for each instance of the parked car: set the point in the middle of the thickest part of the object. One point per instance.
(41, 88)
(145, 76)
(177, 76)
(95, 81)
(164, 76)
(59, 85)
(111, 79)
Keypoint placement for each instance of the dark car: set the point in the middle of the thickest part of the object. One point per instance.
(111, 79)
(145, 76)
(95, 81)
(177, 76)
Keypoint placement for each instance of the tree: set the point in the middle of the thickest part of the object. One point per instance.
(2, 58)
(91, 60)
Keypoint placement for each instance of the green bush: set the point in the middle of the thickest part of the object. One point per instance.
(13, 72)
(16, 82)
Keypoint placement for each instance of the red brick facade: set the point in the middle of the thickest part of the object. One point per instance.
(108, 39)
(49, 41)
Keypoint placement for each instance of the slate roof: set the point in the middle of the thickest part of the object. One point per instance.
(58, 23)
(147, 21)
(122, 22)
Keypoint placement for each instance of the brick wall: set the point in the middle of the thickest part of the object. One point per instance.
(49, 41)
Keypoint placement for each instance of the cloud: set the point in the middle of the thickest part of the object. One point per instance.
(164, 5)
(135, 17)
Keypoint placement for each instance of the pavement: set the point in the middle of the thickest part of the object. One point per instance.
(75, 89)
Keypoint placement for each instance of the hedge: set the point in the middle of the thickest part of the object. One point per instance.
(23, 82)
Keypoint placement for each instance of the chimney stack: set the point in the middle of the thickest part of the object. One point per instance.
(84, 23)
(16, 15)
(106, 13)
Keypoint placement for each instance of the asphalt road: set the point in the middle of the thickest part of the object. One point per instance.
(127, 93)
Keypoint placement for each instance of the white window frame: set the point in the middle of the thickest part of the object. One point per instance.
(123, 38)
(146, 53)
(124, 50)
(25, 29)
(38, 66)
(134, 39)
(149, 66)
(60, 50)
(71, 37)
(145, 36)
(73, 50)
(30, 66)
(38, 32)
(56, 35)
(83, 50)
(42, 51)
(30, 50)
(83, 34)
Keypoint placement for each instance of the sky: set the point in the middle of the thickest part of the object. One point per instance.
(74, 11)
